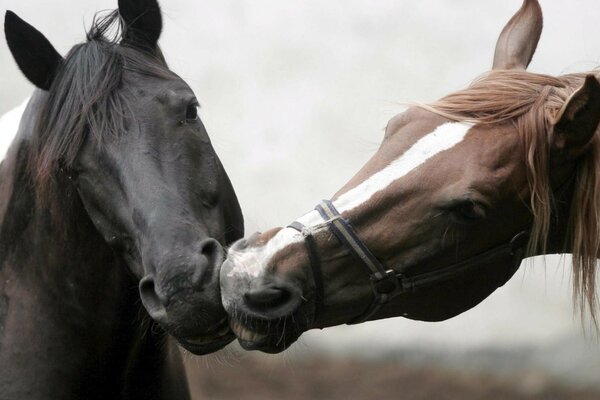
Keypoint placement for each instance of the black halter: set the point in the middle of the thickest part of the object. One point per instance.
(387, 283)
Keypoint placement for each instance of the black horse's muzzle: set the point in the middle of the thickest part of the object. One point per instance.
(183, 295)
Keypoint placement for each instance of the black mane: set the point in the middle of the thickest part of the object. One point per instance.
(85, 98)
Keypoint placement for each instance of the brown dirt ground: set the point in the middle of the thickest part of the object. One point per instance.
(255, 377)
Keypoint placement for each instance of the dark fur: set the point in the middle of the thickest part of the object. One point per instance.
(79, 228)
(84, 100)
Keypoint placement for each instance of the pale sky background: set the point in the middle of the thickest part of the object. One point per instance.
(295, 96)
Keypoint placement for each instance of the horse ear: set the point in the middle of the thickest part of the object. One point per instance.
(35, 56)
(143, 22)
(577, 121)
(519, 38)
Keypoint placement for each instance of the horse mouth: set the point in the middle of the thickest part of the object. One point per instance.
(271, 341)
(246, 335)
(215, 338)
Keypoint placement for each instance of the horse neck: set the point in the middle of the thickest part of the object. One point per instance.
(558, 234)
(71, 325)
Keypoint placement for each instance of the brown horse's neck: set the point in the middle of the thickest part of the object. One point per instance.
(558, 240)
(71, 324)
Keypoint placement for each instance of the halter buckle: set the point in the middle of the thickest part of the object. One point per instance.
(386, 284)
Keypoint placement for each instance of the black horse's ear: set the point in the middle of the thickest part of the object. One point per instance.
(577, 121)
(35, 56)
(143, 22)
(519, 38)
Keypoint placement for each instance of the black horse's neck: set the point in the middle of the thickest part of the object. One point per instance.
(69, 307)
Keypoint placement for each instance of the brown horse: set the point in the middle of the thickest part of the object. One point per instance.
(459, 192)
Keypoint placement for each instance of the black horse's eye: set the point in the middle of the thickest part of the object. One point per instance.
(191, 113)
(467, 212)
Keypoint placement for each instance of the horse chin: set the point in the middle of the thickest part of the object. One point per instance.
(197, 320)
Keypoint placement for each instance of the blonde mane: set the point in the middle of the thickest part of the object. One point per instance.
(532, 102)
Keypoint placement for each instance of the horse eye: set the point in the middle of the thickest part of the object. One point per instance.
(191, 113)
(468, 212)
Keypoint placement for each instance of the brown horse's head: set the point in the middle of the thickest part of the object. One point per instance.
(437, 206)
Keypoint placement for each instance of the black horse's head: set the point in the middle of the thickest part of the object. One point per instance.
(121, 131)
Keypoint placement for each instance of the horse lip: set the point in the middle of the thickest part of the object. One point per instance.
(249, 345)
(218, 326)
(262, 335)
(265, 345)
(223, 331)
(252, 340)
(209, 347)
(217, 337)
(245, 335)
(215, 332)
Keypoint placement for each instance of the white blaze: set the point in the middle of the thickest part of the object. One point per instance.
(444, 137)
(9, 125)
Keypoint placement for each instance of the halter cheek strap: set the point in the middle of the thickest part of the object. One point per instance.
(383, 281)
(387, 283)
(315, 264)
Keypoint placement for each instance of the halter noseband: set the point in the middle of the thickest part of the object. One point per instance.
(387, 283)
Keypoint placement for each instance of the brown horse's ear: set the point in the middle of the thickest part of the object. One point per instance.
(519, 38)
(577, 121)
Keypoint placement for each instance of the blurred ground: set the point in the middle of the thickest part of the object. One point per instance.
(263, 377)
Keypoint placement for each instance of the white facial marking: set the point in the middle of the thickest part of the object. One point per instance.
(442, 138)
(9, 125)
(252, 261)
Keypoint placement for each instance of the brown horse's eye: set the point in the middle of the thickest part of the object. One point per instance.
(467, 212)
(191, 113)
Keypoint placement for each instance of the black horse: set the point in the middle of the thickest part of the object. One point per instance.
(111, 192)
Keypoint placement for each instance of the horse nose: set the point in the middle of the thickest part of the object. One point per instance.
(198, 273)
(212, 250)
(266, 297)
(273, 300)
(208, 268)
(152, 301)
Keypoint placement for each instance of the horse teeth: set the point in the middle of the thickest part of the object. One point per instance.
(244, 334)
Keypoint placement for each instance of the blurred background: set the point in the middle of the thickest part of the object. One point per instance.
(295, 96)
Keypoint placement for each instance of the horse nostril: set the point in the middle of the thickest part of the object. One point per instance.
(212, 250)
(267, 296)
(207, 270)
(153, 303)
(272, 300)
